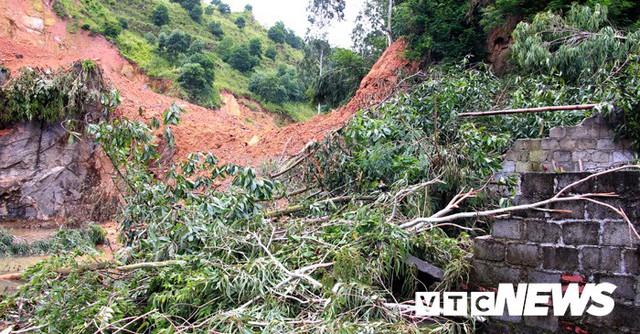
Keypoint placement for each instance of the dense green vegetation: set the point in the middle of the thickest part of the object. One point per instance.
(199, 257)
(52, 96)
(162, 36)
(65, 241)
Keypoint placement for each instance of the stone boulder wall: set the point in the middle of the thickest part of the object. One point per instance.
(44, 178)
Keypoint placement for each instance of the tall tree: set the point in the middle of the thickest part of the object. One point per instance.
(321, 13)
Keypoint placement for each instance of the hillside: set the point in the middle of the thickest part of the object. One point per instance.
(32, 35)
(130, 26)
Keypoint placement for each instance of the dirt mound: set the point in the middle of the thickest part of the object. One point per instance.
(378, 85)
(31, 35)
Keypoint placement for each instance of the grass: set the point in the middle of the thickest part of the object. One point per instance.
(136, 42)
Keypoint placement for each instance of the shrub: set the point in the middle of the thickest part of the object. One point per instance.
(224, 8)
(59, 8)
(248, 8)
(160, 15)
(208, 10)
(196, 13)
(277, 33)
(124, 23)
(193, 79)
(240, 22)
(174, 44)
(215, 28)
(278, 86)
(255, 47)
(242, 60)
(271, 53)
(111, 29)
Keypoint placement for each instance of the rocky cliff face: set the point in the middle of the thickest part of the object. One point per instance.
(44, 178)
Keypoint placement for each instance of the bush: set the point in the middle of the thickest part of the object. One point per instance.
(224, 8)
(195, 13)
(193, 79)
(215, 28)
(271, 53)
(242, 60)
(208, 10)
(160, 15)
(124, 23)
(248, 8)
(278, 86)
(240, 22)
(174, 44)
(111, 29)
(277, 33)
(255, 47)
(59, 8)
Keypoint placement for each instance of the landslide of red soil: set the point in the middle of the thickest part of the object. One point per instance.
(31, 35)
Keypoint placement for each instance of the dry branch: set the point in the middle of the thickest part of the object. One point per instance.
(443, 215)
(298, 208)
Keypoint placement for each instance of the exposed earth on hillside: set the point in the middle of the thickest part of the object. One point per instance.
(31, 35)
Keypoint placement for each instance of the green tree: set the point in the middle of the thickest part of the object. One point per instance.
(341, 79)
(278, 86)
(196, 13)
(242, 60)
(160, 15)
(271, 53)
(277, 33)
(255, 47)
(224, 8)
(248, 8)
(439, 29)
(208, 10)
(240, 22)
(174, 44)
(293, 40)
(215, 28)
(193, 79)
(111, 29)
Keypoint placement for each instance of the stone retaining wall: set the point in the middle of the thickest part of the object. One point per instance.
(592, 243)
(590, 145)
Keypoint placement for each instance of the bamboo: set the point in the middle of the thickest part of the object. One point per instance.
(528, 110)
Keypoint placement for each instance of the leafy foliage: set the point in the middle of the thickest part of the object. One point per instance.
(52, 96)
(278, 86)
(160, 15)
(340, 79)
(63, 241)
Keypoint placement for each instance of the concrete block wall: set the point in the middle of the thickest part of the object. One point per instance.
(590, 144)
(588, 241)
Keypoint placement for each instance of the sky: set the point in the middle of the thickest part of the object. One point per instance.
(293, 14)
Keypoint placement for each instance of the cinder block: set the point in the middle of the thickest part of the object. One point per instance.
(538, 276)
(523, 167)
(508, 229)
(625, 286)
(586, 144)
(632, 262)
(523, 254)
(549, 322)
(568, 145)
(537, 186)
(581, 233)
(549, 144)
(538, 156)
(490, 274)
(617, 233)
(600, 212)
(579, 132)
(558, 132)
(601, 259)
(601, 157)
(622, 157)
(575, 210)
(562, 156)
(537, 230)
(560, 258)
(565, 179)
(488, 248)
(606, 144)
(508, 167)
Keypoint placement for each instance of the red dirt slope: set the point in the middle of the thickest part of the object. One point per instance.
(31, 35)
